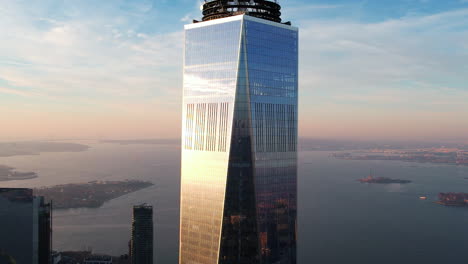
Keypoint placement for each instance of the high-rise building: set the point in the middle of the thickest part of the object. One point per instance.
(25, 227)
(142, 235)
(44, 214)
(239, 136)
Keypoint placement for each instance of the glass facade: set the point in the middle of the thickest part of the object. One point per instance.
(239, 145)
(25, 227)
(142, 234)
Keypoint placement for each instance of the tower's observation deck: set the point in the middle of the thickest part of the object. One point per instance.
(269, 10)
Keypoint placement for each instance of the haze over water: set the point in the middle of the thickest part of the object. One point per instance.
(340, 220)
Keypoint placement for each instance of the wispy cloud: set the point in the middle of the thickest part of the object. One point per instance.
(194, 13)
(300, 10)
(350, 56)
(310, 7)
(410, 69)
(85, 58)
(5, 90)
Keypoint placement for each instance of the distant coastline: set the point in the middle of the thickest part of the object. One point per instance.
(449, 156)
(26, 148)
(143, 141)
(382, 180)
(316, 144)
(89, 195)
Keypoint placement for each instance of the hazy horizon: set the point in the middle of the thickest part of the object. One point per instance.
(302, 140)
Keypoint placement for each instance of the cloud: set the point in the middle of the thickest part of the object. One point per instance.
(407, 74)
(90, 69)
(76, 58)
(103, 64)
(396, 54)
(312, 7)
(187, 18)
(298, 10)
(194, 13)
(5, 90)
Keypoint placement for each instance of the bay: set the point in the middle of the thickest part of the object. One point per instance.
(340, 220)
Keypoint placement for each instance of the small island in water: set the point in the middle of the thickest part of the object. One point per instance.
(382, 180)
(9, 174)
(453, 199)
(89, 195)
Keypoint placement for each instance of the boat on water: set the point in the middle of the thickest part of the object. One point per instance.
(423, 198)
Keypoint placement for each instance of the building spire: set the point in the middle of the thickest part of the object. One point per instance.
(265, 9)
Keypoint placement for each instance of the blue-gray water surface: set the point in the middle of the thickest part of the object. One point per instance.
(340, 220)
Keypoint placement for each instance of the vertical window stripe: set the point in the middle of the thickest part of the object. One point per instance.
(189, 126)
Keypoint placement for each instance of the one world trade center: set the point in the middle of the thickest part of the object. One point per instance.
(239, 136)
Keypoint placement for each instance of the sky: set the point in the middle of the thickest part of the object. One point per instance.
(380, 69)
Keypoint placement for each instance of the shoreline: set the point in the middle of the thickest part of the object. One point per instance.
(450, 205)
(89, 195)
(10, 174)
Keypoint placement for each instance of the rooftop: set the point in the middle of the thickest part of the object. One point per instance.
(265, 9)
(98, 258)
(143, 206)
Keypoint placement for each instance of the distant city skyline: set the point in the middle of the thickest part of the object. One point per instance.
(111, 69)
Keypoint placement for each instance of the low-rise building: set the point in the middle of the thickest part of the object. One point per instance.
(98, 260)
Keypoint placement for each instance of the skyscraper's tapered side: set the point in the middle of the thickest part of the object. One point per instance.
(239, 138)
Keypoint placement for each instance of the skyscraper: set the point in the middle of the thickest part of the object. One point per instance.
(44, 214)
(142, 235)
(25, 227)
(239, 136)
